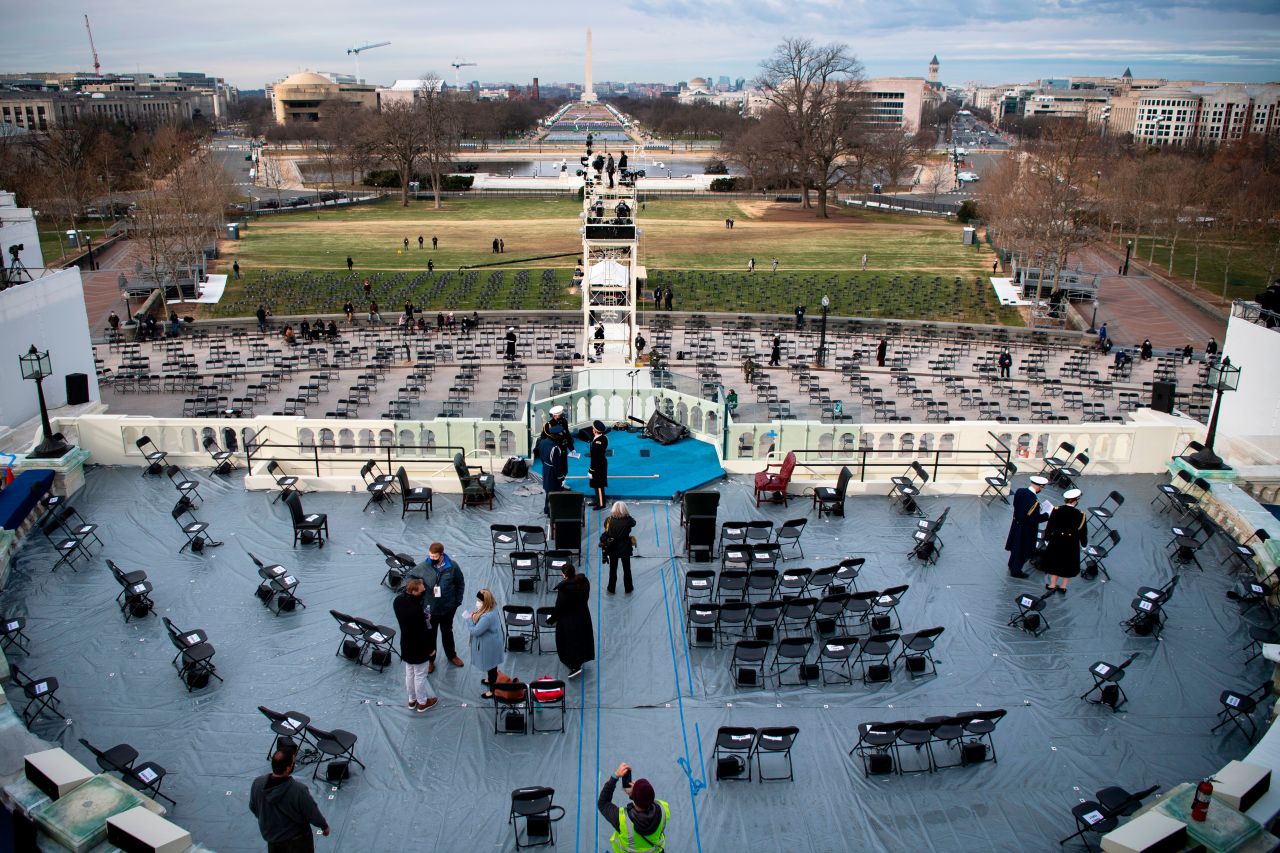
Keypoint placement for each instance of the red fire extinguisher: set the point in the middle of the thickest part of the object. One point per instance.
(1200, 805)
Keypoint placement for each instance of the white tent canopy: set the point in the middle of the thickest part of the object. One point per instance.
(609, 273)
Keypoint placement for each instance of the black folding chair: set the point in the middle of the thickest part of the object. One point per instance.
(836, 655)
(504, 538)
(154, 456)
(875, 747)
(789, 534)
(145, 778)
(12, 634)
(832, 500)
(1030, 616)
(776, 741)
(1106, 683)
(998, 483)
(1105, 512)
(187, 487)
(535, 807)
(41, 695)
(1238, 709)
(791, 653)
(873, 656)
(747, 666)
(907, 487)
(1096, 553)
(732, 754)
(223, 460)
(337, 747)
(376, 486)
(518, 627)
(196, 531)
(290, 726)
(1243, 553)
(307, 528)
(286, 483)
(917, 651)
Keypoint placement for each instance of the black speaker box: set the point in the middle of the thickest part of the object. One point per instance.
(916, 664)
(881, 622)
(526, 584)
(730, 767)
(287, 603)
(537, 827)
(1162, 396)
(973, 752)
(197, 544)
(764, 633)
(264, 592)
(337, 771)
(197, 679)
(517, 643)
(747, 677)
(350, 649)
(77, 389)
(879, 763)
(1110, 695)
(513, 721)
(826, 627)
(703, 634)
(879, 672)
(810, 672)
(380, 657)
(139, 609)
(1031, 622)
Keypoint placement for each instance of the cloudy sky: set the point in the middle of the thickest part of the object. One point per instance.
(994, 41)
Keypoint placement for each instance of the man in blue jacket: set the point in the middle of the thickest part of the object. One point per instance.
(1025, 526)
(442, 597)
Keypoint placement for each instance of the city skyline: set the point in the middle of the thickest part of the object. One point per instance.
(660, 40)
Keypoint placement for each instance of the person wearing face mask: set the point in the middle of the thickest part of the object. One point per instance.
(571, 616)
(486, 639)
(445, 586)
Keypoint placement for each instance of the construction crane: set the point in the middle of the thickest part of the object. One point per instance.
(456, 66)
(97, 69)
(357, 51)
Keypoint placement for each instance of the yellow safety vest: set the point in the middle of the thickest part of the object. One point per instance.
(627, 840)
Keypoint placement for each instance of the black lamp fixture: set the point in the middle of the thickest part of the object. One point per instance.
(36, 366)
(822, 341)
(1223, 376)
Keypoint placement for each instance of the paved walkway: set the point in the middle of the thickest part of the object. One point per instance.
(1138, 306)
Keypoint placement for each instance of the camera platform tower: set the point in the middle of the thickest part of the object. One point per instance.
(610, 263)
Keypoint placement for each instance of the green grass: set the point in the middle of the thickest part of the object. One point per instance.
(1245, 277)
(684, 240)
(52, 248)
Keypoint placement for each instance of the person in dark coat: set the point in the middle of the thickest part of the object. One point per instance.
(1005, 363)
(1065, 534)
(415, 644)
(564, 438)
(555, 464)
(571, 616)
(617, 546)
(775, 353)
(1211, 348)
(882, 351)
(1027, 518)
(511, 343)
(1146, 349)
(284, 807)
(445, 587)
(599, 468)
(666, 298)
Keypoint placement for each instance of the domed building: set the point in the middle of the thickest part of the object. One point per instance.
(698, 84)
(302, 97)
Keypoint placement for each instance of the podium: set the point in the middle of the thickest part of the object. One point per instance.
(568, 517)
(698, 512)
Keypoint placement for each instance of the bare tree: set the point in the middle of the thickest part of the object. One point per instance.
(895, 152)
(271, 174)
(815, 89)
(424, 130)
(443, 131)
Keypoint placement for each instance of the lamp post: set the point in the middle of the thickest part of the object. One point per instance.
(88, 241)
(822, 339)
(35, 365)
(1223, 377)
(1093, 321)
(1128, 251)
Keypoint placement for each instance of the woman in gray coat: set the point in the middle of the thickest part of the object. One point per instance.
(486, 638)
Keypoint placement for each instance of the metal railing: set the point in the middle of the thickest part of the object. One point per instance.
(1001, 453)
(315, 454)
(1255, 313)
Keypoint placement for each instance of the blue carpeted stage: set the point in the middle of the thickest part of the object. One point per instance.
(633, 461)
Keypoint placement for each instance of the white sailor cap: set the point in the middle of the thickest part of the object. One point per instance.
(557, 411)
(1040, 481)
(1071, 494)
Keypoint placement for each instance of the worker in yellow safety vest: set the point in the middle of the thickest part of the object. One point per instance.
(641, 824)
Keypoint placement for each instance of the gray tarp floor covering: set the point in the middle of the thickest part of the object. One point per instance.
(442, 780)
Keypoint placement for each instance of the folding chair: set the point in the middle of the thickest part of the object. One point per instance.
(186, 487)
(797, 616)
(533, 537)
(1146, 618)
(288, 726)
(1244, 554)
(761, 583)
(1106, 511)
(134, 598)
(884, 608)
(398, 567)
(776, 741)
(733, 533)
(194, 660)
(41, 695)
(918, 735)
(525, 571)
(948, 731)
(791, 653)
(279, 589)
(847, 573)
(759, 531)
(1189, 539)
(379, 641)
(732, 753)
(875, 747)
(510, 712)
(194, 529)
(1065, 475)
(155, 457)
(1096, 553)
(998, 483)
(534, 806)
(701, 622)
(873, 656)
(145, 778)
(413, 498)
(12, 634)
(503, 537)
(1106, 683)
(337, 747)
(907, 487)
(794, 583)
(222, 459)
(519, 631)
(822, 581)
(699, 584)
(1060, 456)
(747, 666)
(917, 651)
(1091, 817)
(836, 654)
(1238, 709)
(553, 562)
(1030, 616)
(539, 813)
(731, 584)
(306, 528)
(789, 534)
(980, 726)
(286, 483)
(829, 614)
(831, 501)
(1176, 495)
(375, 486)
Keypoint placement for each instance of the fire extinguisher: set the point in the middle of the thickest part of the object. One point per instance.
(1200, 805)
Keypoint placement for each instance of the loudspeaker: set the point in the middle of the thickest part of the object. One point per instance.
(138, 609)
(764, 633)
(526, 584)
(286, 603)
(138, 830)
(264, 592)
(55, 772)
(513, 721)
(810, 672)
(1241, 784)
(826, 627)
(1031, 622)
(730, 767)
(197, 679)
(77, 389)
(880, 622)
(197, 545)
(1162, 396)
(337, 771)
(1110, 695)
(537, 827)
(879, 672)
(746, 677)
(350, 649)
(703, 634)
(973, 752)
(517, 643)
(380, 657)
(879, 763)
(916, 664)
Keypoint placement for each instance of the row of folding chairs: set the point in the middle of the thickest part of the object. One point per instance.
(737, 748)
(875, 656)
(293, 730)
(68, 531)
(365, 642)
(747, 584)
(967, 739)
